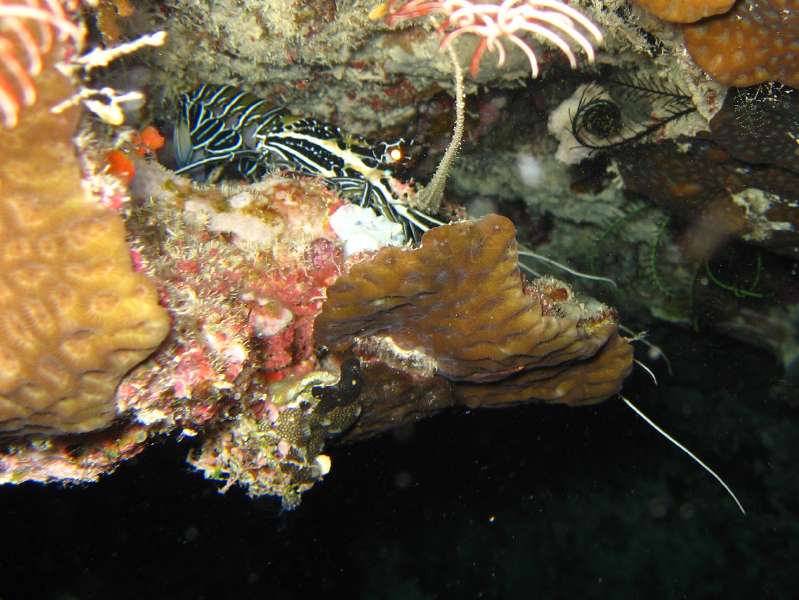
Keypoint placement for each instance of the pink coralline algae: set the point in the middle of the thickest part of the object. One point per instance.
(243, 271)
(245, 274)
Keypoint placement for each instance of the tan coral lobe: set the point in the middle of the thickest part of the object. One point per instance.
(459, 299)
(579, 384)
(74, 315)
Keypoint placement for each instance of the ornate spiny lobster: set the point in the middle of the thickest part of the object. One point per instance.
(29, 30)
(221, 126)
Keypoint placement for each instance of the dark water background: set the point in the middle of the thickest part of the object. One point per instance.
(533, 502)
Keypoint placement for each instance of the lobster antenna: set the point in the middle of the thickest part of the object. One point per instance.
(647, 370)
(526, 252)
(657, 350)
(637, 411)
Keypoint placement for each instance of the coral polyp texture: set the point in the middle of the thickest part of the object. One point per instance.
(74, 315)
(685, 11)
(756, 41)
(457, 307)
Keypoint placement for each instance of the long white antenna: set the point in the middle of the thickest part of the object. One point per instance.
(647, 369)
(684, 449)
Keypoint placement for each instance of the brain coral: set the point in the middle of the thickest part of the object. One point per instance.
(74, 315)
(459, 301)
(756, 41)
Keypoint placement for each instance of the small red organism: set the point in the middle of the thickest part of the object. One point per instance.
(148, 141)
(120, 165)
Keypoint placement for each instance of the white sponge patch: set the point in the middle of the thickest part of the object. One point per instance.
(362, 230)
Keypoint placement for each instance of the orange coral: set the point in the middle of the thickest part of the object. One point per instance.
(457, 305)
(685, 11)
(756, 41)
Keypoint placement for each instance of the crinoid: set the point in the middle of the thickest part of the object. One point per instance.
(29, 30)
(626, 109)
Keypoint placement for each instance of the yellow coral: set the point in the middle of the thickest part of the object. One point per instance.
(74, 315)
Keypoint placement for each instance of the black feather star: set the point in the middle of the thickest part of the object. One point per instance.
(625, 110)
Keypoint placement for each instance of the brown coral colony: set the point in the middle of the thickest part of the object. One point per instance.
(458, 305)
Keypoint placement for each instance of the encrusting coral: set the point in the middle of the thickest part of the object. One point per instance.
(457, 307)
(74, 314)
(685, 11)
(756, 41)
(738, 43)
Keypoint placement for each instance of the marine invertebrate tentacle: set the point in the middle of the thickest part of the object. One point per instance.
(647, 370)
(655, 350)
(601, 120)
(26, 36)
(507, 21)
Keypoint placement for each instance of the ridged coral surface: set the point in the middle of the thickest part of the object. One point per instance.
(685, 11)
(583, 383)
(756, 41)
(459, 300)
(74, 315)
